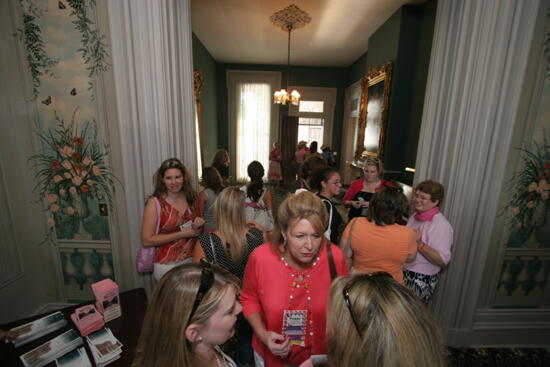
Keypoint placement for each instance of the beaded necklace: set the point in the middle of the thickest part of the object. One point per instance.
(301, 282)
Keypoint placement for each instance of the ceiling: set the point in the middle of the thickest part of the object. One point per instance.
(239, 31)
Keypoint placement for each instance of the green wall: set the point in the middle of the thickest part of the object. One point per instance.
(357, 70)
(203, 60)
(305, 76)
(405, 39)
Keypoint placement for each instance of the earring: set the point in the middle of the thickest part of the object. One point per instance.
(199, 339)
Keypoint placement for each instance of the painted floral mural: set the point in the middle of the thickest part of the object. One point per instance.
(66, 52)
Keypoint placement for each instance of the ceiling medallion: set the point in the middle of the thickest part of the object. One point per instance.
(289, 19)
(291, 16)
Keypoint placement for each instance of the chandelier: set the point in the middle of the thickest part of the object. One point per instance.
(288, 19)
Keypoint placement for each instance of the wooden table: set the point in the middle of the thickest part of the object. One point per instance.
(125, 328)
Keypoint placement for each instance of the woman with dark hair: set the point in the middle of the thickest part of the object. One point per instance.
(258, 201)
(275, 174)
(375, 321)
(192, 311)
(221, 163)
(360, 191)
(327, 182)
(212, 183)
(377, 242)
(435, 243)
(286, 284)
(171, 218)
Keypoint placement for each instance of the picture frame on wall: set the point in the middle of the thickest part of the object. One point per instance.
(373, 112)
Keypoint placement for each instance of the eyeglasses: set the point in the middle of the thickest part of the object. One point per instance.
(346, 293)
(207, 279)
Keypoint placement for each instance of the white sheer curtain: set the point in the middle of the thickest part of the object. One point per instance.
(254, 104)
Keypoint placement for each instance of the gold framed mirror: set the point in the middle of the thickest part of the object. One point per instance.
(373, 112)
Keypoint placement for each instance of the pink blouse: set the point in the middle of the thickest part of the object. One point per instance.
(271, 286)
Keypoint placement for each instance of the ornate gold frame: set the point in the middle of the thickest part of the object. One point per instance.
(374, 77)
(198, 84)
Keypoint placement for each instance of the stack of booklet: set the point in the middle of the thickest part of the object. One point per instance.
(37, 328)
(108, 299)
(51, 350)
(77, 358)
(87, 319)
(104, 346)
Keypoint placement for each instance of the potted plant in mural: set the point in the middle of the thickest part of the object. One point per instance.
(71, 173)
(530, 204)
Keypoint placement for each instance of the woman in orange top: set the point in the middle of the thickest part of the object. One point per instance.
(377, 243)
(171, 218)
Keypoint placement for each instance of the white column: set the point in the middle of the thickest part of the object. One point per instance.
(478, 70)
(153, 77)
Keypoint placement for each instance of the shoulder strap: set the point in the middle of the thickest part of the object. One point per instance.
(157, 206)
(331, 265)
(330, 213)
(213, 249)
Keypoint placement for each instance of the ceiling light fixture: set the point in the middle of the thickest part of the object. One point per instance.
(289, 19)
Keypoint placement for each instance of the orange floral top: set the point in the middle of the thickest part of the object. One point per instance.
(170, 221)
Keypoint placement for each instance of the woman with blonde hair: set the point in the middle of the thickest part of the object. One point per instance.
(375, 321)
(286, 283)
(359, 193)
(193, 309)
(230, 246)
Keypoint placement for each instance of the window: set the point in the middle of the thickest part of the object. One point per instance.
(253, 125)
(315, 113)
(253, 118)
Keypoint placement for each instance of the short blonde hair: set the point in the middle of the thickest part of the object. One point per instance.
(396, 328)
(162, 341)
(295, 207)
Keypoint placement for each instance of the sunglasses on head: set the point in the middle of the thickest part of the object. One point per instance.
(207, 280)
(346, 293)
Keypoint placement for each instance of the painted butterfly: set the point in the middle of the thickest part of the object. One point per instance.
(47, 101)
(73, 92)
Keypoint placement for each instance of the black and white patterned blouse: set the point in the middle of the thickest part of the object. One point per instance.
(254, 238)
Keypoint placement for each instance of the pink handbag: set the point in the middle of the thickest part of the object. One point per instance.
(146, 255)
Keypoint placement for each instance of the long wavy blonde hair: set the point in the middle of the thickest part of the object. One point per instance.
(230, 220)
(162, 341)
(395, 327)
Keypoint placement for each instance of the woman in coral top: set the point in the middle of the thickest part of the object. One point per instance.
(286, 285)
(171, 218)
(377, 243)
